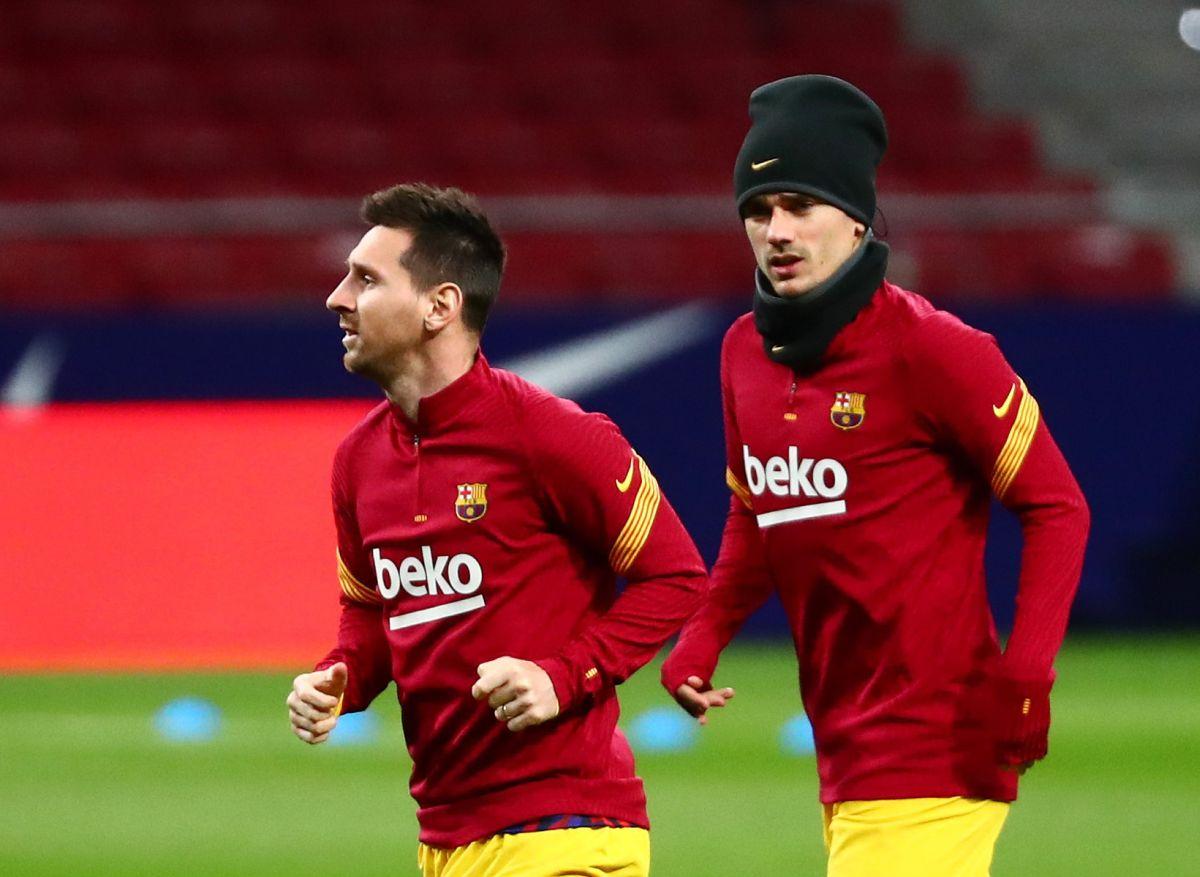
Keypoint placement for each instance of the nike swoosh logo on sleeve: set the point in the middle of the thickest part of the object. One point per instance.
(1001, 410)
(623, 484)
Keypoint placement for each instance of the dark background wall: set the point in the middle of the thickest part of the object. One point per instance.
(1118, 386)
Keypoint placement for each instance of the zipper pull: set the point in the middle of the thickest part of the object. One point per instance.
(790, 414)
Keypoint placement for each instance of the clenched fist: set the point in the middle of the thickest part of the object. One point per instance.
(313, 703)
(520, 692)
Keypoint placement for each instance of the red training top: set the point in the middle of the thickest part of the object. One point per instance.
(862, 493)
(497, 525)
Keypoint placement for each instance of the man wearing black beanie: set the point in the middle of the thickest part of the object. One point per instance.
(866, 433)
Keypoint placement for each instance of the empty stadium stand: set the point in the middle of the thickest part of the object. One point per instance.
(131, 101)
(1111, 88)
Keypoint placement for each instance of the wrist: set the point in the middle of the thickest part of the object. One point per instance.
(559, 673)
(681, 664)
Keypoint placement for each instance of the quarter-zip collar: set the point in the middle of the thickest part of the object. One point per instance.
(437, 412)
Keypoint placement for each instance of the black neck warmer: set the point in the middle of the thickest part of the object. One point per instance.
(796, 331)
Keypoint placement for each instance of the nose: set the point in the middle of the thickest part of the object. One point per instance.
(780, 229)
(340, 300)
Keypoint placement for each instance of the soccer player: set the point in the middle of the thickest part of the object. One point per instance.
(866, 433)
(481, 525)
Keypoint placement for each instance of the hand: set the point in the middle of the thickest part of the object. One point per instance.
(520, 692)
(1019, 719)
(313, 703)
(698, 698)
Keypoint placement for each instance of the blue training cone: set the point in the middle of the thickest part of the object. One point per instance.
(662, 729)
(796, 736)
(188, 720)
(355, 729)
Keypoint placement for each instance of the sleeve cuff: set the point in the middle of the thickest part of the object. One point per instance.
(682, 663)
(673, 677)
(571, 685)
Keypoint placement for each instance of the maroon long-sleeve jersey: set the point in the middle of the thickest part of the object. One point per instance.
(495, 525)
(861, 491)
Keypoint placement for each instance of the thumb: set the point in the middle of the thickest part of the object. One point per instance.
(334, 681)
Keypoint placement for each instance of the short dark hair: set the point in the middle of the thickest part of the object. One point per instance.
(453, 242)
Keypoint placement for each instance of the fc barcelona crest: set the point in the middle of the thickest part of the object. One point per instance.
(849, 409)
(471, 502)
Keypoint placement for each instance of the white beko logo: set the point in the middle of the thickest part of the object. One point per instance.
(460, 575)
(797, 476)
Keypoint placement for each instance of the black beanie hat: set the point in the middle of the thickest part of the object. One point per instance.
(818, 135)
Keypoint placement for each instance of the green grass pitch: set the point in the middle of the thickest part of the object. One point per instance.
(86, 787)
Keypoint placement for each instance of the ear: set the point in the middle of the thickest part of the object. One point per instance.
(859, 229)
(445, 303)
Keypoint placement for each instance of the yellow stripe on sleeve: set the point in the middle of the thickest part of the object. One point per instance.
(1016, 446)
(636, 531)
(352, 587)
(740, 490)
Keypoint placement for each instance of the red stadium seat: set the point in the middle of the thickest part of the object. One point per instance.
(234, 27)
(38, 146)
(104, 86)
(121, 99)
(70, 25)
(284, 85)
(690, 264)
(194, 149)
(1088, 261)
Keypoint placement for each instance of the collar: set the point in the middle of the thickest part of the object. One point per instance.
(798, 331)
(437, 411)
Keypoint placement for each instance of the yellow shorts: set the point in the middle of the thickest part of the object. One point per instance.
(913, 837)
(562, 852)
